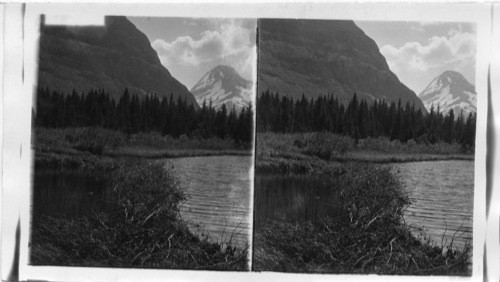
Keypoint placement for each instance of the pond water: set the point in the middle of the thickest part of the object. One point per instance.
(219, 189)
(220, 196)
(293, 198)
(442, 192)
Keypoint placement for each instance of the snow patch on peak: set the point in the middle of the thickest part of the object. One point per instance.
(205, 81)
(223, 85)
(450, 91)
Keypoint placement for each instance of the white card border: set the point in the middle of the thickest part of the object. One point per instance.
(17, 111)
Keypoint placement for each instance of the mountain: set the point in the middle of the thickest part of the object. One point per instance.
(450, 90)
(319, 57)
(223, 85)
(112, 57)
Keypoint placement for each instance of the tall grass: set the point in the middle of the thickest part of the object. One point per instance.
(278, 153)
(367, 235)
(90, 139)
(306, 150)
(99, 141)
(145, 231)
(156, 140)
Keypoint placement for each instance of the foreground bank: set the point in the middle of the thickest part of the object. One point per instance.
(144, 229)
(365, 232)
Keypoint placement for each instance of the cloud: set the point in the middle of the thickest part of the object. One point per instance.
(417, 28)
(457, 51)
(424, 24)
(227, 42)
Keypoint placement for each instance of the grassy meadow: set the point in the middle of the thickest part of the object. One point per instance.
(95, 146)
(369, 235)
(322, 152)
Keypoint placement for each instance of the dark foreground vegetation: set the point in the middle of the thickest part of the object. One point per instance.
(362, 119)
(92, 132)
(144, 231)
(366, 235)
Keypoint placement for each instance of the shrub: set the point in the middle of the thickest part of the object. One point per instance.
(411, 143)
(323, 145)
(49, 137)
(150, 139)
(94, 139)
(91, 139)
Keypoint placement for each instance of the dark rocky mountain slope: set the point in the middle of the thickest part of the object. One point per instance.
(111, 57)
(318, 57)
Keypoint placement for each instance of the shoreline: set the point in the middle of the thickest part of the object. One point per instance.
(137, 179)
(381, 158)
(153, 153)
(368, 235)
(373, 201)
(284, 164)
(75, 159)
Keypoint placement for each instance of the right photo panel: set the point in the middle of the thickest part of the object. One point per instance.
(365, 145)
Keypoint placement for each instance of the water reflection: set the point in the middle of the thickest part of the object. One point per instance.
(442, 192)
(294, 197)
(219, 189)
(70, 193)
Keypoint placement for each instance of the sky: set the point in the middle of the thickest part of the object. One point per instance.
(417, 52)
(190, 47)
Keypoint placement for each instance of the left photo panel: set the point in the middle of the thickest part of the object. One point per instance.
(142, 138)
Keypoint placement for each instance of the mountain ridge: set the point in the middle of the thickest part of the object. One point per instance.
(113, 57)
(321, 57)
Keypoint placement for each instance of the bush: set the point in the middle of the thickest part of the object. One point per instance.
(91, 139)
(384, 144)
(150, 139)
(323, 145)
(94, 139)
(411, 143)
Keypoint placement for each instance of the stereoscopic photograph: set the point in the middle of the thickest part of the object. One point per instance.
(142, 131)
(365, 147)
(243, 142)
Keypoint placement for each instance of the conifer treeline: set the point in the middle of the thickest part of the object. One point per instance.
(360, 119)
(131, 115)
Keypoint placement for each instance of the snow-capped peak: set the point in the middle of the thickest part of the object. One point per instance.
(450, 90)
(223, 85)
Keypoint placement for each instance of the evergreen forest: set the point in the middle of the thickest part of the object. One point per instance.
(361, 119)
(133, 113)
